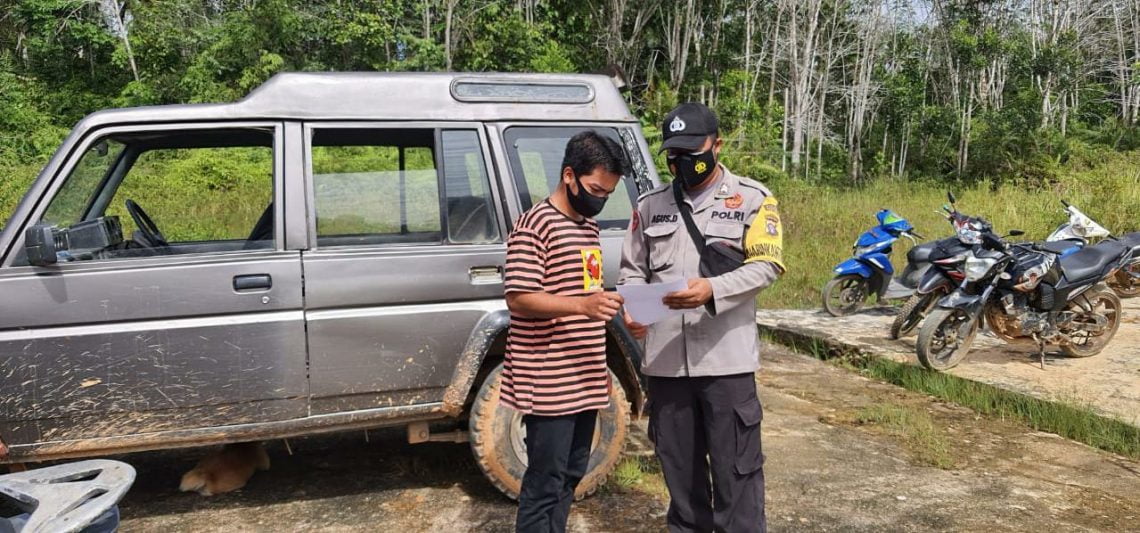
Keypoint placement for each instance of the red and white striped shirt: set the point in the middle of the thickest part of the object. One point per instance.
(555, 366)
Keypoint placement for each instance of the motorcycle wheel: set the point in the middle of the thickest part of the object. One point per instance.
(1124, 285)
(1085, 344)
(945, 339)
(912, 313)
(844, 294)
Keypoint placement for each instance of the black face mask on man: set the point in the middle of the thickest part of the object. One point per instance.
(583, 202)
(693, 169)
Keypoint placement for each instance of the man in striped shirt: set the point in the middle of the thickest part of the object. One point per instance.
(555, 371)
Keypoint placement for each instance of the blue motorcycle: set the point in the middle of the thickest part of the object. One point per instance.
(869, 270)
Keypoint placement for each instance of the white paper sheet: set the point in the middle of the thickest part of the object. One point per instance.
(644, 302)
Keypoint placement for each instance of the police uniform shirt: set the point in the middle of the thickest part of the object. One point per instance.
(659, 249)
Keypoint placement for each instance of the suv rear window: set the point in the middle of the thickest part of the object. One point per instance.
(535, 154)
(380, 186)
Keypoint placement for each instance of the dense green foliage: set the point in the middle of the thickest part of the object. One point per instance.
(832, 90)
(840, 105)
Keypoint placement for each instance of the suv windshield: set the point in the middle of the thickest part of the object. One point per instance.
(535, 154)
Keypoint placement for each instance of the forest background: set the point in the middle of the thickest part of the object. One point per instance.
(840, 106)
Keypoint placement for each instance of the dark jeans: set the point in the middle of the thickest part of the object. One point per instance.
(558, 452)
(706, 432)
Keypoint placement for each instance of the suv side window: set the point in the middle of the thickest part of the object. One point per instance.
(535, 154)
(375, 186)
(203, 191)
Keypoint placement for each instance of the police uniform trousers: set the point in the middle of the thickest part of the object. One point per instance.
(706, 432)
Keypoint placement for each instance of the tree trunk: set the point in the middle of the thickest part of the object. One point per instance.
(447, 31)
(772, 72)
(784, 135)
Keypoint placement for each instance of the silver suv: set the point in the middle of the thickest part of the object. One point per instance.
(323, 255)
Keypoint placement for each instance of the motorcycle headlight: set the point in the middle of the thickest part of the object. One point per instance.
(978, 267)
(969, 236)
(864, 250)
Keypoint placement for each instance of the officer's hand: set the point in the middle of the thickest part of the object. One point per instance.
(638, 330)
(698, 293)
(600, 305)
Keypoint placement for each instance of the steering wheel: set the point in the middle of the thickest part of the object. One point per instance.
(151, 236)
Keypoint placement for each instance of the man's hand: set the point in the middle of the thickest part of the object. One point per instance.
(600, 305)
(698, 293)
(638, 330)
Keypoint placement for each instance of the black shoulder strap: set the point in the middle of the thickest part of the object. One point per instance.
(694, 233)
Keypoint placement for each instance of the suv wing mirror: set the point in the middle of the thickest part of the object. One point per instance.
(40, 245)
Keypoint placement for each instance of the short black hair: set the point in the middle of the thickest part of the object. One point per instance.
(589, 150)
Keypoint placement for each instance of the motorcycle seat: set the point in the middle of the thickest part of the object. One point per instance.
(921, 253)
(1057, 247)
(1132, 240)
(1091, 261)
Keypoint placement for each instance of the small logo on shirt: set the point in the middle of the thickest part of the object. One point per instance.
(591, 269)
(772, 224)
(734, 202)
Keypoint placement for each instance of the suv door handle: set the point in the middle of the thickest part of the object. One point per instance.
(485, 275)
(253, 282)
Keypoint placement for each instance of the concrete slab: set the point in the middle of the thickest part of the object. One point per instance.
(1108, 383)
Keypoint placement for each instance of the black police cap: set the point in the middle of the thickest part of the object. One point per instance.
(687, 126)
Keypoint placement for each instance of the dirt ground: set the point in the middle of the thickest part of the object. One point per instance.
(844, 454)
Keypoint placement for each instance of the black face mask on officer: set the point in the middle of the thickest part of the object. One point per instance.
(583, 202)
(693, 169)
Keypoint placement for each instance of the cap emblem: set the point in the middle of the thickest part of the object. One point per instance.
(677, 125)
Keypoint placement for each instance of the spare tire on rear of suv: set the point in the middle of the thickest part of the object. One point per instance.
(498, 435)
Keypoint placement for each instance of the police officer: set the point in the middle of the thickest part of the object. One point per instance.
(704, 414)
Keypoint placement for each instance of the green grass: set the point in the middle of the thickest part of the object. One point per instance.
(922, 437)
(637, 473)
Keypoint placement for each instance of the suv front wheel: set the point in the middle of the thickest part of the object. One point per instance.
(498, 438)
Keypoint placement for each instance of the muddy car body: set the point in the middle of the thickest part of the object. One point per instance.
(325, 254)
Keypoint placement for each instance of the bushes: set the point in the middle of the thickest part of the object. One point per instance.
(14, 181)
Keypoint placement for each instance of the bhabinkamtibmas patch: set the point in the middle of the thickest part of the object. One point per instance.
(765, 238)
(592, 269)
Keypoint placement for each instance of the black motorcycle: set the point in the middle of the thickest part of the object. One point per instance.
(1126, 281)
(1025, 292)
(946, 258)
